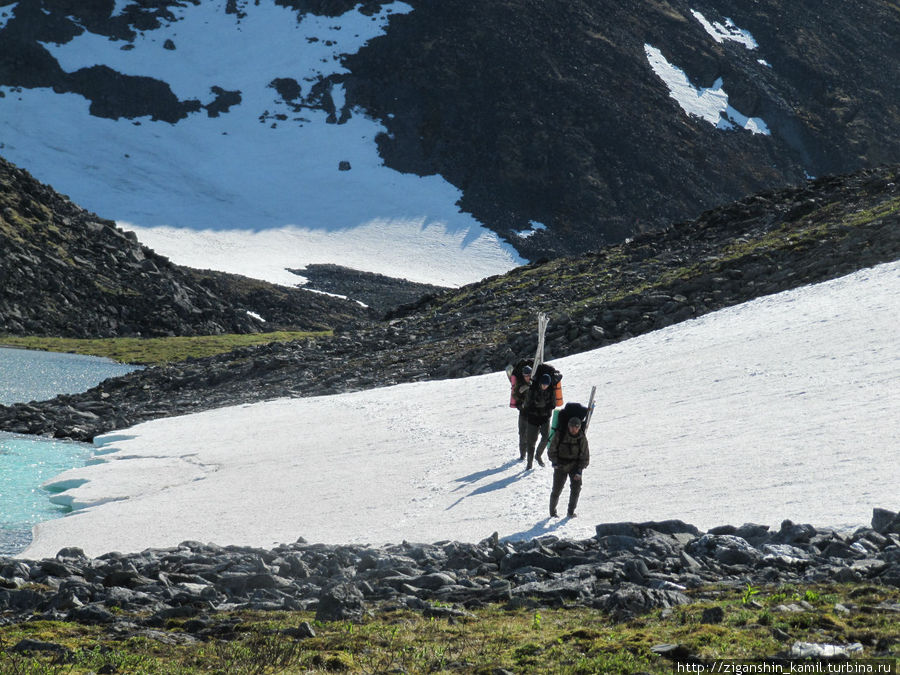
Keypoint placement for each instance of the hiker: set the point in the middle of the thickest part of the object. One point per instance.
(570, 456)
(540, 400)
(517, 399)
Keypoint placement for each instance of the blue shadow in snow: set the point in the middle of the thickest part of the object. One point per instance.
(115, 438)
(490, 487)
(545, 526)
(478, 475)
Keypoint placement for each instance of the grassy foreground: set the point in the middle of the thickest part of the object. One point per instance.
(720, 624)
(155, 351)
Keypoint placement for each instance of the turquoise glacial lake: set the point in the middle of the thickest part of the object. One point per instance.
(26, 462)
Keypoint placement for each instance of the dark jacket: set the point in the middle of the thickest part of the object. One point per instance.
(539, 403)
(569, 452)
(519, 391)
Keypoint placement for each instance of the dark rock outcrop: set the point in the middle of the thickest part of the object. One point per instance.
(342, 582)
(550, 111)
(379, 292)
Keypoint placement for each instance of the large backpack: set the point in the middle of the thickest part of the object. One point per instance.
(517, 368)
(547, 369)
(555, 380)
(514, 373)
(562, 416)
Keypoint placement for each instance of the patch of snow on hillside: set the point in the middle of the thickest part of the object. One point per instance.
(783, 407)
(535, 227)
(260, 166)
(710, 104)
(119, 7)
(412, 249)
(721, 32)
(304, 50)
(6, 13)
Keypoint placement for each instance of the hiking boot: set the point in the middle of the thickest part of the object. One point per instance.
(554, 514)
(571, 514)
(528, 467)
(540, 462)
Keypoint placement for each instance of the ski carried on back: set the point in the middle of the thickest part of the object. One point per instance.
(542, 329)
(590, 407)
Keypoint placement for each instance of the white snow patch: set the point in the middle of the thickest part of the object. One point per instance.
(535, 227)
(709, 104)
(721, 32)
(783, 407)
(119, 7)
(412, 249)
(6, 13)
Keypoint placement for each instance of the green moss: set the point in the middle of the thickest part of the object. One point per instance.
(152, 351)
(866, 216)
(577, 640)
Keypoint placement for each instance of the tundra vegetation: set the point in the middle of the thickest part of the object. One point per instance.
(719, 623)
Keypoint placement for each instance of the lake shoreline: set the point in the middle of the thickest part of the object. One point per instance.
(27, 461)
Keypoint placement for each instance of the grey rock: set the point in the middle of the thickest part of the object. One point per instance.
(884, 521)
(793, 534)
(630, 600)
(689, 562)
(445, 612)
(532, 559)
(673, 652)
(27, 646)
(726, 549)
(433, 581)
(90, 614)
(301, 632)
(812, 650)
(24, 599)
(341, 602)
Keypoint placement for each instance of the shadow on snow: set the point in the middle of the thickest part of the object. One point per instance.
(539, 529)
(490, 487)
(478, 475)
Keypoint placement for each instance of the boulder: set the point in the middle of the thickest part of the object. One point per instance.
(630, 600)
(884, 521)
(341, 602)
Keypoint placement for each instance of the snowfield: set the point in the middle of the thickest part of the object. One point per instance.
(784, 407)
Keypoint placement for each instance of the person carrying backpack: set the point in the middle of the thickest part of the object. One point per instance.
(569, 455)
(540, 400)
(521, 383)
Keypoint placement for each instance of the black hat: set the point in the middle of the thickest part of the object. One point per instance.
(575, 421)
(545, 378)
(526, 370)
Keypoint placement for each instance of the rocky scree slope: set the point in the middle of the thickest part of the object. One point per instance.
(627, 569)
(549, 110)
(381, 293)
(767, 243)
(66, 272)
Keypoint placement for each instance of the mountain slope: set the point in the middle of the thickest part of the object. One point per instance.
(764, 244)
(65, 272)
(214, 123)
(550, 111)
(561, 126)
